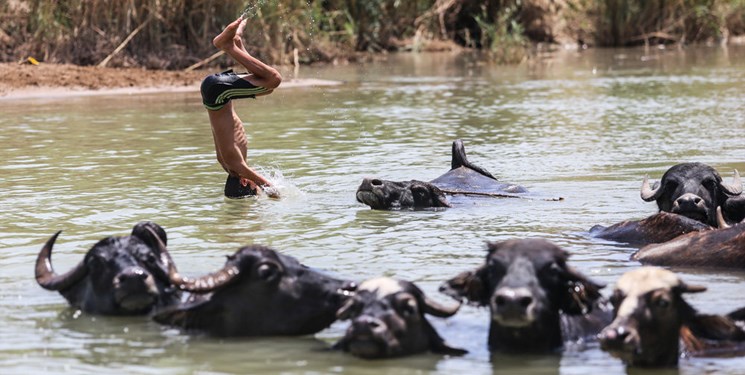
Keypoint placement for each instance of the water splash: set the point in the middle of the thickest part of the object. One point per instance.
(251, 9)
(283, 185)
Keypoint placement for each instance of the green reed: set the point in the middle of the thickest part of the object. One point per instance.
(174, 34)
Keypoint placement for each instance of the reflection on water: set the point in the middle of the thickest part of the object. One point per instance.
(585, 126)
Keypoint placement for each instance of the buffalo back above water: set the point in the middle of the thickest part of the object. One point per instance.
(388, 320)
(658, 228)
(118, 276)
(528, 287)
(717, 248)
(259, 292)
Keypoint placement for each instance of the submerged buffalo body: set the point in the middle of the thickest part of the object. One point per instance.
(537, 301)
(463, 178)
(118, 276)
(687, 197)
(388, 320)
(259, 292)
(658, 228)
(718, 248)
(652, 319)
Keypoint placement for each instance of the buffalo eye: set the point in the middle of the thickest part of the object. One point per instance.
(151, 259)
(661, 302)
(407, 306)
(268, 272)
(495, 271)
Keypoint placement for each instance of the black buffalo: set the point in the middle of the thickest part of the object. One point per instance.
(124, 275)
(652, 319)
(718, 248)
(537, 301)
(687, 197)
(694, 190)
(463, 178)
(388, 320)
(259, 292)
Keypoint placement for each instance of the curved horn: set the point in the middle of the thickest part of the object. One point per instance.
(735, 188)
(648, 194)
(436, 309)
(165, 256)
(721, 223)
(45, 275)
(204, 284)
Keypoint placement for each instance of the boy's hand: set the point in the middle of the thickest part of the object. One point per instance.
(271, 192)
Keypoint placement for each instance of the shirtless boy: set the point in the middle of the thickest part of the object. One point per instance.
(218, 90)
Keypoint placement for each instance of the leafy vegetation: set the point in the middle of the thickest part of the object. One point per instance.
(175, 34)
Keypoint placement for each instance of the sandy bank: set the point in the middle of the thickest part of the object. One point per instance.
(61, 80)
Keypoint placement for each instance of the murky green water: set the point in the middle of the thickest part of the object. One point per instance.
(584, 126)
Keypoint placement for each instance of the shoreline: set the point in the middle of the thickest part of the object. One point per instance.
(54, 81)
(52, 92)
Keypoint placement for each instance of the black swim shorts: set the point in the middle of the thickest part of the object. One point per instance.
(218, 89)
(234, 189)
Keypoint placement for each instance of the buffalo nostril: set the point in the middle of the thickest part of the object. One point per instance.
(132, 274)
(501, 300)
(696, 201)
(367, 322)
(509, 298)
(525, 301)
(376, 182)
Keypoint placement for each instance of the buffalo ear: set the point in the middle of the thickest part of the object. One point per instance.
(738, 314)
(425, 193)
(713, 327)
(469, 285)
(581, 292)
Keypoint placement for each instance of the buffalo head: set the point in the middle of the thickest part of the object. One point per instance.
(259, 292)
(651, 318)
(527, 285)
(694, 190)
(386, 195)
(388, 320)
(118, 276)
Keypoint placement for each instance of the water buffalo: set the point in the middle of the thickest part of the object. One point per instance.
(463, 178)
(388, 320)
(720, 248)
(259, 292)
(118, 276)
(694, 190)
(687, 197)
(537, 301)
(652, 318)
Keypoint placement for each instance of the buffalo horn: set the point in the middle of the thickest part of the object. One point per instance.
(648, 194)
(436, 309)
(207, 283)
(721, 223)
(45, 275)
(735, 188)
(165, 256)
(203, 284)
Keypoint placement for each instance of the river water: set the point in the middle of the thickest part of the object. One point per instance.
(582, 125)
